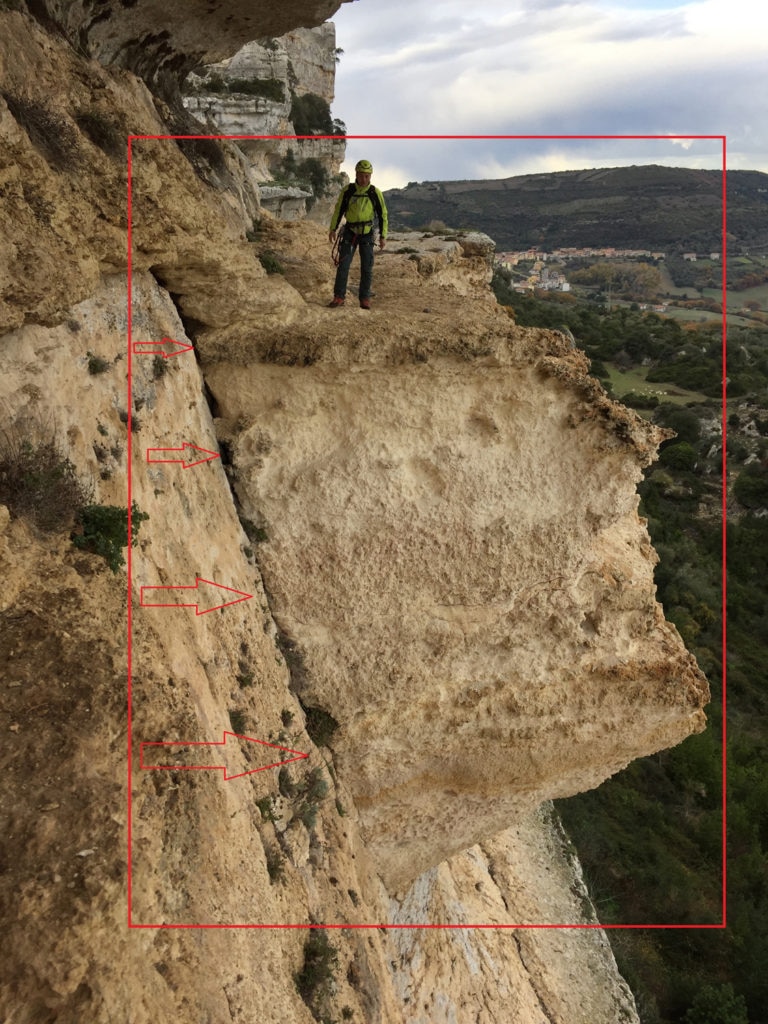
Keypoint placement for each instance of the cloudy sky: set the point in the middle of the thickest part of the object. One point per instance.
(666, 68)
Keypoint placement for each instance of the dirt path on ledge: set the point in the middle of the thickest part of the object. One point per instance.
(425, 287)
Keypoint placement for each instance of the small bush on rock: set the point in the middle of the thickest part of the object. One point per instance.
(38, 482)
(313, 981)
(104, 531)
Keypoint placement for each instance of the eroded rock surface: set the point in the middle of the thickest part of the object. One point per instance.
(453, 544)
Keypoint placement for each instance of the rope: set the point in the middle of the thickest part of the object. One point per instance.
(335, 247)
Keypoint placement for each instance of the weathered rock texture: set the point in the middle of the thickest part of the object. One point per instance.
(470, 638)
(161, 40)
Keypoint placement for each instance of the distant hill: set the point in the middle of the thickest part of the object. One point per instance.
(648, 207)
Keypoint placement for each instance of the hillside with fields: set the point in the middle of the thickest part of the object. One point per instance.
(670, 208)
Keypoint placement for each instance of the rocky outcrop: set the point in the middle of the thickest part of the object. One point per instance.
(252, 94)
(412, 459)
(162, 42)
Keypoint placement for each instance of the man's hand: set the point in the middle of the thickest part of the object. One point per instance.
(331, 236)
(382, 242)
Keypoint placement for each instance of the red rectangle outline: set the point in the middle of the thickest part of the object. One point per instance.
(724, 347)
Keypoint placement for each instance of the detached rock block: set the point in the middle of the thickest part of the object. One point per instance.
(455, 549)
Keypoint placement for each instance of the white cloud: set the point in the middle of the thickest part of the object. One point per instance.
(556, 68)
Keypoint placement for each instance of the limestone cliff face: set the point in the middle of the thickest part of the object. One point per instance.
(301, 63)
(453, 568)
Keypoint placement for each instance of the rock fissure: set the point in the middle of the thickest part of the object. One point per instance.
(546, 1013)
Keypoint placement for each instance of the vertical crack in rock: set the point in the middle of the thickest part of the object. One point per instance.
(547, 1014)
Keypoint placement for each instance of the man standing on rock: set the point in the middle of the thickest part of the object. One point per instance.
(363, 206)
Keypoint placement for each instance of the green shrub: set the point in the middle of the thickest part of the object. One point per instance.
(751, 487)
(684, 422)
(159, 367)
(237, 720)
(271, 263)
(275, 865)
(104, 531)
(104, 132)
(311, 115)
(213, 83)
(312, 790)
(678, 456)
(39, 483)
(267, 88)
(320, 726)
(717, 1004)
(638, 401)
(313, 787)
(312, 171)
(52, 135)
(313, 981)
(267, 808)
(285, 784)
(256, 534)
(206, 156)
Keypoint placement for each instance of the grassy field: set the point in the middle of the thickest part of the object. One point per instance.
(702, 316)
(669, 287)
(625, 381)
(737, 299)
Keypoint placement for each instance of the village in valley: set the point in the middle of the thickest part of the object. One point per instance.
(534, 270)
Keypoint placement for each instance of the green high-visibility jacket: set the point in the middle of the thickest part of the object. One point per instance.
(361, 211)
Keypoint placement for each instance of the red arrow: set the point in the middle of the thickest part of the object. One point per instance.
(185, 459)
(155, 348)
(185, 749)
(195, 604)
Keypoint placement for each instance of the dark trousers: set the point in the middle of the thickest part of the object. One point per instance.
(346, 251)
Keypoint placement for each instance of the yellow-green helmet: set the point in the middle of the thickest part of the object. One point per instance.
(364, 166)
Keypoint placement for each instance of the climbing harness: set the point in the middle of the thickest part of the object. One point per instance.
(335, 250)
(349, 192)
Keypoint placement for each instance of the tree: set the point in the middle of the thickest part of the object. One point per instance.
(717, 1004)
(678, 456)
(311, 115)
(751, 487)
(684, 422)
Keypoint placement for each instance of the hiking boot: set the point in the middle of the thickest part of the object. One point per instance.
(365, 303)
(336, 301)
